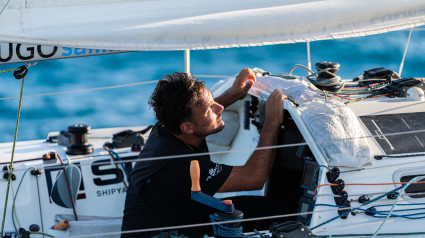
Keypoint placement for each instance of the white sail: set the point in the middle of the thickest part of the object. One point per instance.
(198, 24)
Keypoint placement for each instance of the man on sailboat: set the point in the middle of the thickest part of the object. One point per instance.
(159, 191)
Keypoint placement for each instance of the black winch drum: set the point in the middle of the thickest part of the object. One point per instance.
(329, 73)
(332, 67)
(79, 144)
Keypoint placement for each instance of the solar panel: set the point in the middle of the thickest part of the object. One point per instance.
(398, 133)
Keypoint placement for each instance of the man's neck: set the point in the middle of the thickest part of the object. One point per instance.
(190, 139)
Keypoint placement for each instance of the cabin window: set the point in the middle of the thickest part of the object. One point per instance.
(414, 190)
(398, 133)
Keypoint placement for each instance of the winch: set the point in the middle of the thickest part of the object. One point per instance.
(79, 144)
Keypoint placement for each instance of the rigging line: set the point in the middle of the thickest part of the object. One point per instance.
(209, 223)
(366, 184)
(369, 194)
(354, 209)
(205, 224)
(403, 204)
(367, 203)
(395, 202)
(248, 149)
(196, 225)
(14, 199)
(69, 187)
(213, 76)
(10, 167)
(102, 88)
(380, 167)
(300, 66)
(405, 51)
(39, 204)
(5, 7)
(385, 203)
(368, 235)
(8, 70)
(216, 153)
(267, 147)
(113, 157)
(122, 165)
(83, 90)
(14, 212)
(382, 212)
(40, 233)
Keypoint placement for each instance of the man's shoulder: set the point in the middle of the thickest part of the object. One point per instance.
(162, 143)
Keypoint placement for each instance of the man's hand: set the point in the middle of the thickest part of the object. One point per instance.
(274, 109)
(243, 82)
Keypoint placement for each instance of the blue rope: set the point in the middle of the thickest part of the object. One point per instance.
(383, 214)
(395, 202)
(122, 164)
(354, 209)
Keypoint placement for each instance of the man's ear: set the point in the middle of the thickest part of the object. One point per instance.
(186, 127)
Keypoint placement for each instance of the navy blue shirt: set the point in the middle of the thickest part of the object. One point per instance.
(159, 190)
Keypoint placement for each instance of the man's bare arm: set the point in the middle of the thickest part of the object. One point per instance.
(254, 173)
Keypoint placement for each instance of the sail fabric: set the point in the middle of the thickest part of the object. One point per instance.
(198, 24)
(332, 124)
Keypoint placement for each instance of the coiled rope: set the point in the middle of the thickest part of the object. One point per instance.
(314, 79)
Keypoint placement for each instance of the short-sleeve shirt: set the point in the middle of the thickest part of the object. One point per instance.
(159, 193)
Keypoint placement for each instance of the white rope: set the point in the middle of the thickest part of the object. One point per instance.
(30, 64)
(84, 90)
(245, 150)
(223, 222)
(213, 76)
(405, 51)
(202, 224)
(107, 87)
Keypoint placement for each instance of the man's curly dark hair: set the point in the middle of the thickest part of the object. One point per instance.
(173, 97)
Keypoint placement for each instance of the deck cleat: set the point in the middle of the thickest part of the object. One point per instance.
(341, 198)
(333, 174)
(340, 185)
(392, 195)
(371, 211)
(364, 199)
(344, 210)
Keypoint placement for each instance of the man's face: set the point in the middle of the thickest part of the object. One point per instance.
(207, 116)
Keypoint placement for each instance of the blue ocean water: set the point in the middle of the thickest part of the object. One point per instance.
(127, 106)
